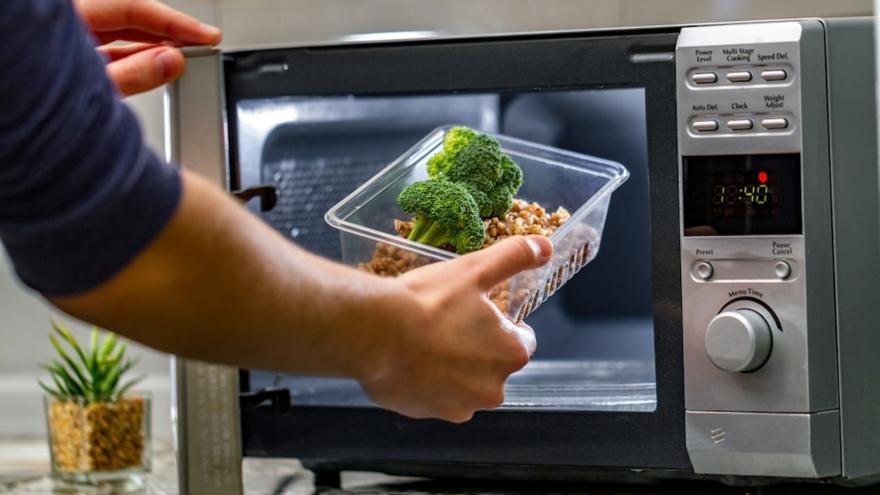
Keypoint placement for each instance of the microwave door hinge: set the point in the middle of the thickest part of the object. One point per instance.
(278, 396)
(266, 192)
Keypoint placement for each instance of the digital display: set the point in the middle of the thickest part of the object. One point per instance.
(742, 195)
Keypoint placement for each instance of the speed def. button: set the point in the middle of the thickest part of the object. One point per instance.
(774, 75)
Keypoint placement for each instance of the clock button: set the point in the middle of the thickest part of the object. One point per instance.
(739, 124)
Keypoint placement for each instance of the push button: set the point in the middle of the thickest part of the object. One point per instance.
(774, 75)
(705, 125)
(782, 270)
(704, 77)
(704, 270)
(772, 124)
(739, 76)
(739, 124)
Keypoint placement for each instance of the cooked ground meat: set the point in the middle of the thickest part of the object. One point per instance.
(523, 219)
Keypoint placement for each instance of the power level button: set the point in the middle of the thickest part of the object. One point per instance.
(704, 270)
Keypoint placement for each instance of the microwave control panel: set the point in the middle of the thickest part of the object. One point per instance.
(759, 336)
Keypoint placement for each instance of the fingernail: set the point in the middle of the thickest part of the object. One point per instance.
(210, 30)
(541, 247)
(167, 62)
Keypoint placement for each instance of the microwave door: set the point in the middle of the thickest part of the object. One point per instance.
(605, 388)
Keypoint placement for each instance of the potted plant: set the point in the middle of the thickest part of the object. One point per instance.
(98, 431)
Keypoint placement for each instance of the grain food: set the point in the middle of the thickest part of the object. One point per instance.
(524, 218)
(97, 437)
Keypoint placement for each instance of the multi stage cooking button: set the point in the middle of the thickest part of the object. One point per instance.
(774, 75)
(739, 124)
(705, 125)
(739, 76)
(774, 123)
(704, 77)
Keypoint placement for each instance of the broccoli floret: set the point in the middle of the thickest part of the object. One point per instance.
(481, 199)
(445, 214)
(454, 141)
(476, 161)
(498, 200)
(511, 174)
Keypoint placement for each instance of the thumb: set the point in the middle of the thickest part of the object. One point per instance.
(146, 69)
(497, 263)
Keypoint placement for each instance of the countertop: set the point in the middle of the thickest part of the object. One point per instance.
(24, 464)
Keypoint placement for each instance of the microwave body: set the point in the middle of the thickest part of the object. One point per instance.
(724, 331)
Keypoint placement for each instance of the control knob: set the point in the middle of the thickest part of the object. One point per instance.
(739, 340)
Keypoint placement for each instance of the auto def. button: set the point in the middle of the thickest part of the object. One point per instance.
(705, 125)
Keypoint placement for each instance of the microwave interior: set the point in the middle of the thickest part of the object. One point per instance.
(317, 123)
(596, 347)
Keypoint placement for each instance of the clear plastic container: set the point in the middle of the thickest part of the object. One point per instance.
(551, 177)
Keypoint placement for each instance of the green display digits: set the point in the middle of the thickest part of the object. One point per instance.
(729, 195)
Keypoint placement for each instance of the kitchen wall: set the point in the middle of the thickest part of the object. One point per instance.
(248, 23)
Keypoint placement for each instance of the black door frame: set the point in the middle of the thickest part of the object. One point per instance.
(366, 438)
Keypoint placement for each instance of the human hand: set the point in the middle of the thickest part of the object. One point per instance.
(157, 29)
(451, 349)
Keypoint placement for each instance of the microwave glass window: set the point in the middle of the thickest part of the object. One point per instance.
(742, 195)
(595, 337)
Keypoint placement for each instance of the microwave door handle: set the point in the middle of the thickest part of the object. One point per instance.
(266, 192)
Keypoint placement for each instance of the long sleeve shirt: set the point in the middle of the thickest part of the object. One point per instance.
(81, 195)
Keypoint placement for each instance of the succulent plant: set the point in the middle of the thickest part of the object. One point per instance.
(91, 375)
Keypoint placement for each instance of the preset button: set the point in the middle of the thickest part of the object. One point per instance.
(704, 270)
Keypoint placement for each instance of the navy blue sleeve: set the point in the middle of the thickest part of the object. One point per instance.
(80, 193)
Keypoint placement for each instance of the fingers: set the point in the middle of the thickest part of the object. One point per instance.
(526, 337)
(148, 16)
(498, 263)
(115, 53)
(146, 69)
(133, 35)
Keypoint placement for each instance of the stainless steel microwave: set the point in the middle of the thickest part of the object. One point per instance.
(726, 329)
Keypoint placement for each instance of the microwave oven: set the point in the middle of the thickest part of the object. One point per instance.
(726, 329)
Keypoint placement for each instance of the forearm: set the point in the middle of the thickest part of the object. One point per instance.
(219, 285)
